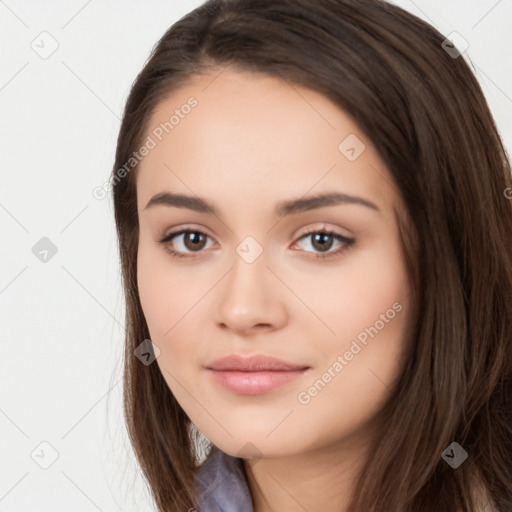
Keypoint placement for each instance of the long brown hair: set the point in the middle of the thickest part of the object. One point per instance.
(426, 114)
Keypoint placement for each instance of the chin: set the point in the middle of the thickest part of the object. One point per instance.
(250, 443)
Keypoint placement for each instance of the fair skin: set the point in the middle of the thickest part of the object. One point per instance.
(251, 142)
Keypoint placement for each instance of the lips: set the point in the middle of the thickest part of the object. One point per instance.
(256, 363)
(253, 375)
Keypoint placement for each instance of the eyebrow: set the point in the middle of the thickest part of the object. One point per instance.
(282, 208)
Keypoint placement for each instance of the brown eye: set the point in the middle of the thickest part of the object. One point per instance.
(187, 242)
(322, 241)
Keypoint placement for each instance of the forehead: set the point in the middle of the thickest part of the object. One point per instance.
(251, 138)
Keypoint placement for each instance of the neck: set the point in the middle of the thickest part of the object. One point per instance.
(320, 479)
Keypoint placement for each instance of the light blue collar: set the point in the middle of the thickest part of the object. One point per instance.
(222, 484)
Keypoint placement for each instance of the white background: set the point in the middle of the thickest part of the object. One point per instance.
(62, 321)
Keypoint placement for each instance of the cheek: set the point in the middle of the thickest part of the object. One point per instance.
(169, 302)
(367, 308)
(351, 298)
(153, 289)
(164, 307)
(164, 290)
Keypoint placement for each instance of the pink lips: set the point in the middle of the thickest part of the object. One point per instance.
(253, 375)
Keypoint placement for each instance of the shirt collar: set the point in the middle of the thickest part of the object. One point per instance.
(222, 484)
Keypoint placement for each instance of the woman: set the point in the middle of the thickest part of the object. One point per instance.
(313, 209)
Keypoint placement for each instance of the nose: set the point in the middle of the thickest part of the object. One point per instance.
(251, 298)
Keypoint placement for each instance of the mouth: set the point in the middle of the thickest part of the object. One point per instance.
(255, 374)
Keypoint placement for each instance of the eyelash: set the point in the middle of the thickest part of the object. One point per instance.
(348, 242)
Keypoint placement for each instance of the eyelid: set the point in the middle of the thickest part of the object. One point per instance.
(187, 227)
(322, 226)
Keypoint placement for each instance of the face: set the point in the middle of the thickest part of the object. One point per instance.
(320, 285)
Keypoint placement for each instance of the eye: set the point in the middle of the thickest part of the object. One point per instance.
(323, 239)
(194, 241)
